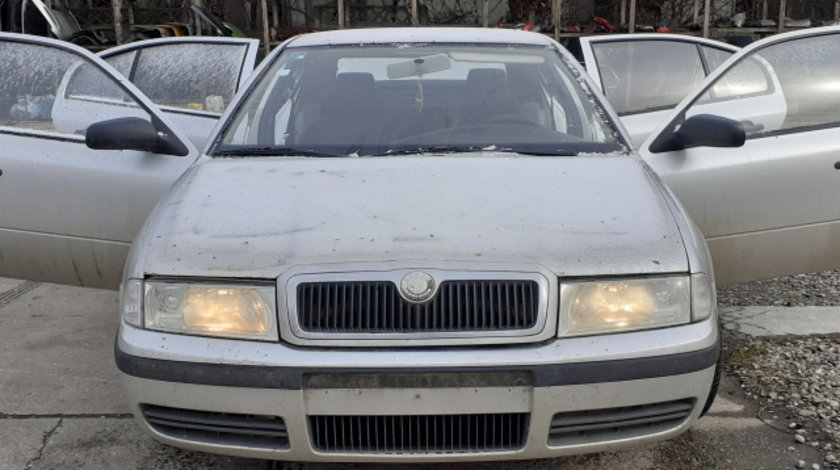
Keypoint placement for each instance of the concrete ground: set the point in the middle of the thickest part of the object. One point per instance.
(61, 405)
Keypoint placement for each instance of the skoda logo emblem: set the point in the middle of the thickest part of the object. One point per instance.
(417, 287)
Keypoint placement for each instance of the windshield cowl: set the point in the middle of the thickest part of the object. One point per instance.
(428, 151)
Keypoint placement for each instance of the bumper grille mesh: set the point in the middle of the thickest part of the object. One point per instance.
(377, 307)
(218, 428)
(419, 434)
(617, 423)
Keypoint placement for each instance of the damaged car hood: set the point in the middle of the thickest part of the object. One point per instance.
(256, 217)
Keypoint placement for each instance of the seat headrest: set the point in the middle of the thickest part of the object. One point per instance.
(486, 77)
(351, 93)
(356, 80)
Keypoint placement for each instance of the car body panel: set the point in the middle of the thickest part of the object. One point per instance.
(69, 212)
(295, 408)
(410, 35)
(292, 400)
(206, 71)
(767, 208)
(651, 76)
(385, 214)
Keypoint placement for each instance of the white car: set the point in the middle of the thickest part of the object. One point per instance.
(393, 250)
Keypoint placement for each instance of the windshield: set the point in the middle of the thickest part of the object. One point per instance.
(405, 99)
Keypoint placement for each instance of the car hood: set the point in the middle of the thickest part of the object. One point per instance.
(257, 217)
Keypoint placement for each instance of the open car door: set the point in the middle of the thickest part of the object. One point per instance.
(192, 79)
(644, 76)
(68, 213)
(36, 17)
(770, 206)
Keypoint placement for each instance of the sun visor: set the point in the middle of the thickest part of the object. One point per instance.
(491, 57)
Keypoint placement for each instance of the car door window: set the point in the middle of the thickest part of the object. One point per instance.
(746, 93)
(50, 90)
(786, 87)
(171, 76)
(643, 76)
(749, 78)
(808, 75)
(122, 62)
(714, 56)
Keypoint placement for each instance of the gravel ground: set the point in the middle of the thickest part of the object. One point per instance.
(791, 291)
(796, 380)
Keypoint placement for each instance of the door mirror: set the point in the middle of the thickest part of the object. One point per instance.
(702, 130)
(132, 133)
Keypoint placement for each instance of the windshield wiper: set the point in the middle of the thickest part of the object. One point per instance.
(438, 149)
(540, 153)
(270, 152)
(477, 148)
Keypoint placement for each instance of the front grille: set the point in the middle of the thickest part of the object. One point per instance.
(218, 428)
(617, 423)
(377, 307)
(419, 434)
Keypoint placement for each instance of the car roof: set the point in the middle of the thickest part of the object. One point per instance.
(661, 37)
(421, 36)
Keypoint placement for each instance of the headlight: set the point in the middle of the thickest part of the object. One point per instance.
(614, 306)
(229, 310)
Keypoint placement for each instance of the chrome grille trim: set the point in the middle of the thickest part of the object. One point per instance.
(419, 434)
(377, 307)
(583, 427)
(364, 308)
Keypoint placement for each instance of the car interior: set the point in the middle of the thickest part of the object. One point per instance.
(364, 109)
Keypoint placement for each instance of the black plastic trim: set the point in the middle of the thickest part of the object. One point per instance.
(25, 132)
(293, 378)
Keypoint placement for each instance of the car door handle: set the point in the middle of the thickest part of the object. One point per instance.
(751, 127)
(836, 167)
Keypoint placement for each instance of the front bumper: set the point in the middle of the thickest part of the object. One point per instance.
(629, 387)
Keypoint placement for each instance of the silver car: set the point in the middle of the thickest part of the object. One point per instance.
(416, 244)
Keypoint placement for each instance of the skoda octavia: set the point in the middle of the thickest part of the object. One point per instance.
(417, 244)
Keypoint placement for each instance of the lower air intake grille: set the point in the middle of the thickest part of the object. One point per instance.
(218, 428)
(419, 434)
(617, 423)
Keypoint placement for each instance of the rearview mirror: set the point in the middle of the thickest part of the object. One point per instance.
(702, 130)
(419, 66)
(132, 133)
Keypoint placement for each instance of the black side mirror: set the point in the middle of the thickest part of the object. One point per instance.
(702, 130)
(132, 133)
